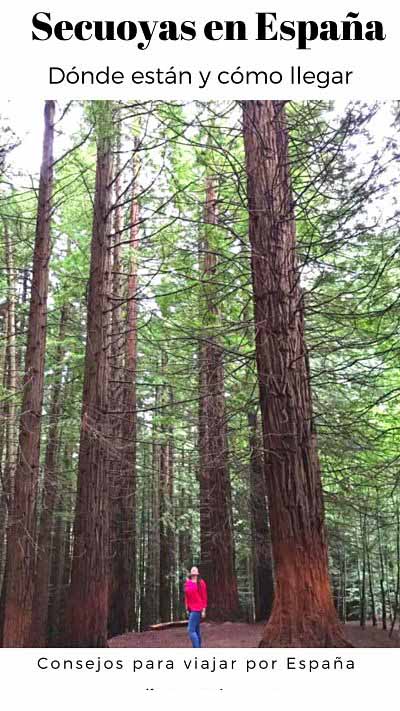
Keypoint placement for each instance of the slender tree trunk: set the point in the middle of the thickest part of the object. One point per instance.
(363, 597)
(40, 607)
(218, 555)
(66, 582)
(261, 537)
(58, 553)
(166, 526)
(203, 473)
(176, 579)
(371, 588)
(9, 431)
(184, 548)
(382, 576)
(397, 592)
(344, 588)
(87, 608)
(165, 551)
(21, 529)
(150, 590)
(303, 613)
(149, 572)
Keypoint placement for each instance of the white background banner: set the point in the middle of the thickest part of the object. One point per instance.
(224, 68)
(273, 677)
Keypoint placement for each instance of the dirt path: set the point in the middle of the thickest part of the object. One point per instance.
(238, 634)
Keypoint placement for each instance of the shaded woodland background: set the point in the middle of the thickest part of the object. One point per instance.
(144, 250)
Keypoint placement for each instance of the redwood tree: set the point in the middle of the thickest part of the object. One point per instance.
(40, 606)
(303, 613)
(22, 520)
(123, 520)
(261, 538)
(217, 555)
(87, 607)
(166, 488)
(8, 438)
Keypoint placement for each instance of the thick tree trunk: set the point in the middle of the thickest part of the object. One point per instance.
(22, 520)
(40, 607)
(303, 613)
(217, 556)
(87, 608)
(116, 623)
(261, 537)
(123, 472)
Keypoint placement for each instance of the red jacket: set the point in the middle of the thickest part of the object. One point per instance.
(195, 596)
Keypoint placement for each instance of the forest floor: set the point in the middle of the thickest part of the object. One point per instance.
(240, 634)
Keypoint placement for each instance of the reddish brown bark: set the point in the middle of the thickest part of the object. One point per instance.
(166, 552)
(203, 474)
(60, 543)
(38, 633)
(260, 533)
(8, 435)
(87, 607)
(123, 531)
(116, 623)
(21, 529)
(167, 540)
(217, 555)
(303, 613)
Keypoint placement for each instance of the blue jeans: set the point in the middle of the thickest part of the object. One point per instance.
(194, 628)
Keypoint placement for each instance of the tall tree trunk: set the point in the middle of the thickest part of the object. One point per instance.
(371, 587)
(217, 556)
(184, 547)
(397, 591)
(261, 537)
(123, 522)
(87, 608)
(166, 523)
(116, 623)
(21, 529)
(40, 607)
(382, 581)
(203, 472)
(303, 613)
(58, 553)
(9, 431)
(343, 610)
(363, 596)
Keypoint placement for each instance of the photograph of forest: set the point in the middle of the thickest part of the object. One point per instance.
(199, 374)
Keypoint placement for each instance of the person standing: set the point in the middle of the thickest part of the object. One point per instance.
(196, 604)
